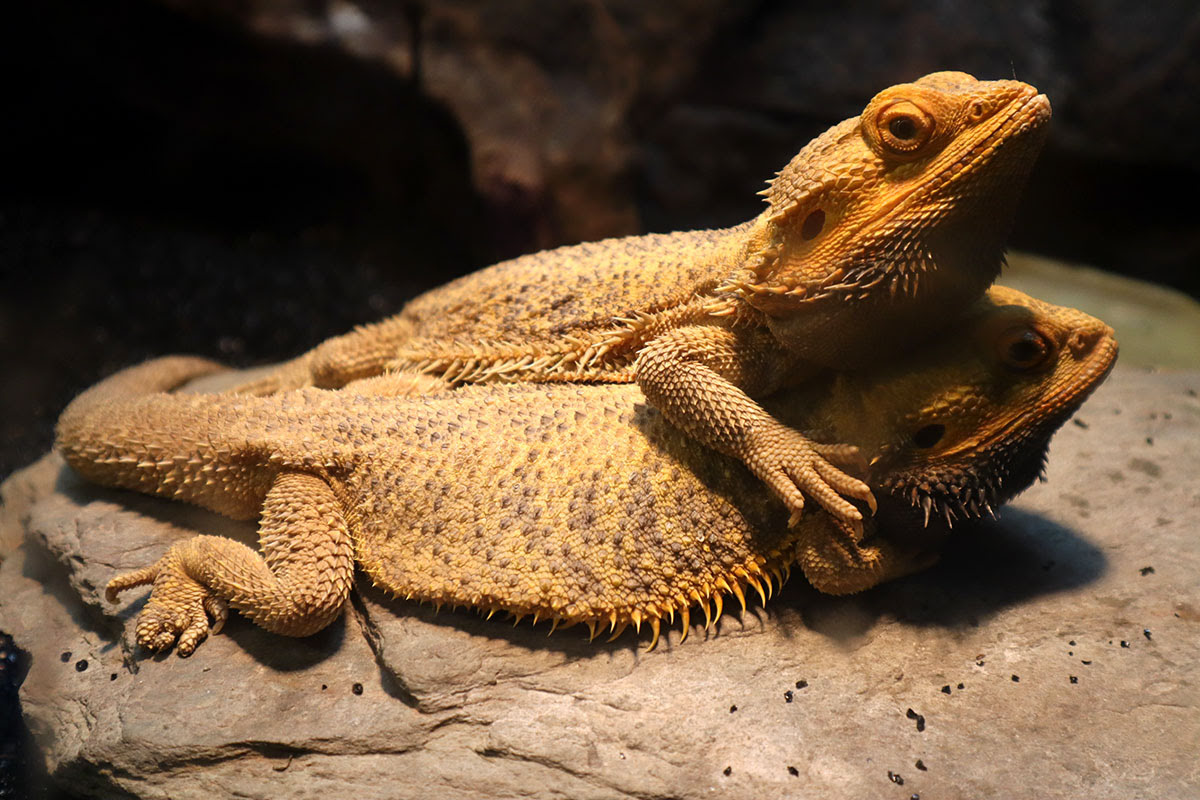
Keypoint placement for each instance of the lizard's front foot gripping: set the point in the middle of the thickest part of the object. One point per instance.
(792, 467)
(178, 610)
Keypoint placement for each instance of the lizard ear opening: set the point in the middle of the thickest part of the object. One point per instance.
(928, 436)
(814, 223)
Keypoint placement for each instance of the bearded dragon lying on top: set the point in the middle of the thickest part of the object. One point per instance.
(577, 504)
(884, 227)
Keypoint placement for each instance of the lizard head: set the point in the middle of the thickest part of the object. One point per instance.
(926, 178)
(962, 424)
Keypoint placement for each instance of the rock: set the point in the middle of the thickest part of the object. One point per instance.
(1052, 654)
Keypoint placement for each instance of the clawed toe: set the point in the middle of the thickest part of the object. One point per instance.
(159, 629)
(217, 609)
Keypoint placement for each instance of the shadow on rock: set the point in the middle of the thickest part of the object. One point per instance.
(985, 567)
(298, 654)
(570, 642)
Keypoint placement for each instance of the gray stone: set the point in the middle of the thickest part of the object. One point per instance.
(455, 706)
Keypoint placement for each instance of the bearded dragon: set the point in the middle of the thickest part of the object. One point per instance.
(573, 503)
(879, 229)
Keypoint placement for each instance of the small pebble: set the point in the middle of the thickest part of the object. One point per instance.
(66, 656)
(801, 684)
(112, 677)
(895, 778)
(1085, 662)
(1016, 678)
(921, 765)
(1146, 571)
(727, 771)
(1124, 643)
(795, 773)
(787, 696)
(81, 665)
(357, 688)
(946, 689)
(1146, 633)
(962, 686)
(732, 709)
(1074, 679)
(918, 717)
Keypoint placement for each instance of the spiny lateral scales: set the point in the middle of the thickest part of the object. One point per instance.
(884, 226)
(565, 502)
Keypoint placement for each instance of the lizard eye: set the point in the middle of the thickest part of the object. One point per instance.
(1024, 349)
(904, 128)
(928, 436)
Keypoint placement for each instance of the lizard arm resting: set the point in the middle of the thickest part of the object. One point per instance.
(699, 377)
(835, 562)
(296, 587)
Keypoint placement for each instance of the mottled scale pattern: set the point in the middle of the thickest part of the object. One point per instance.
(575, 502)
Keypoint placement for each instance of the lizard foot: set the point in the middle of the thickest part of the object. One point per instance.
(792, 467)
(178, 611)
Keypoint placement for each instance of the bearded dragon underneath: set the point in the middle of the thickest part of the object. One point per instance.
(881, 228)
(577, 504)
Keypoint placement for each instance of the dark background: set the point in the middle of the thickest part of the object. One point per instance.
(244, 179)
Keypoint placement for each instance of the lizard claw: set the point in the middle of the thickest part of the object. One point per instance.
(794, 467)
(218, 609)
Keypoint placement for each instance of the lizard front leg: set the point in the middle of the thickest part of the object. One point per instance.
(701, 378)
(296, 587)
(836, 562)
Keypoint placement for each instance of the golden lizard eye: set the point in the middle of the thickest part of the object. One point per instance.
(904, 128)
(1024, 349)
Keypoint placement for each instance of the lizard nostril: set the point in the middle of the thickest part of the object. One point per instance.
(1081, 343)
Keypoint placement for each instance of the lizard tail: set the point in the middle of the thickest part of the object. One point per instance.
(153, 376)
(127, 432)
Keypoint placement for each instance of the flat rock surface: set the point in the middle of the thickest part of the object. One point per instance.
(1053, 653)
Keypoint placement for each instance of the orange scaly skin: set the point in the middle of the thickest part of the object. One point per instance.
(570, 503)
(886, 225)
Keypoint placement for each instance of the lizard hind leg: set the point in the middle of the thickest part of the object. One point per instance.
(296, 587)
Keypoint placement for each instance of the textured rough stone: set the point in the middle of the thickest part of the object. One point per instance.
(396, 701)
